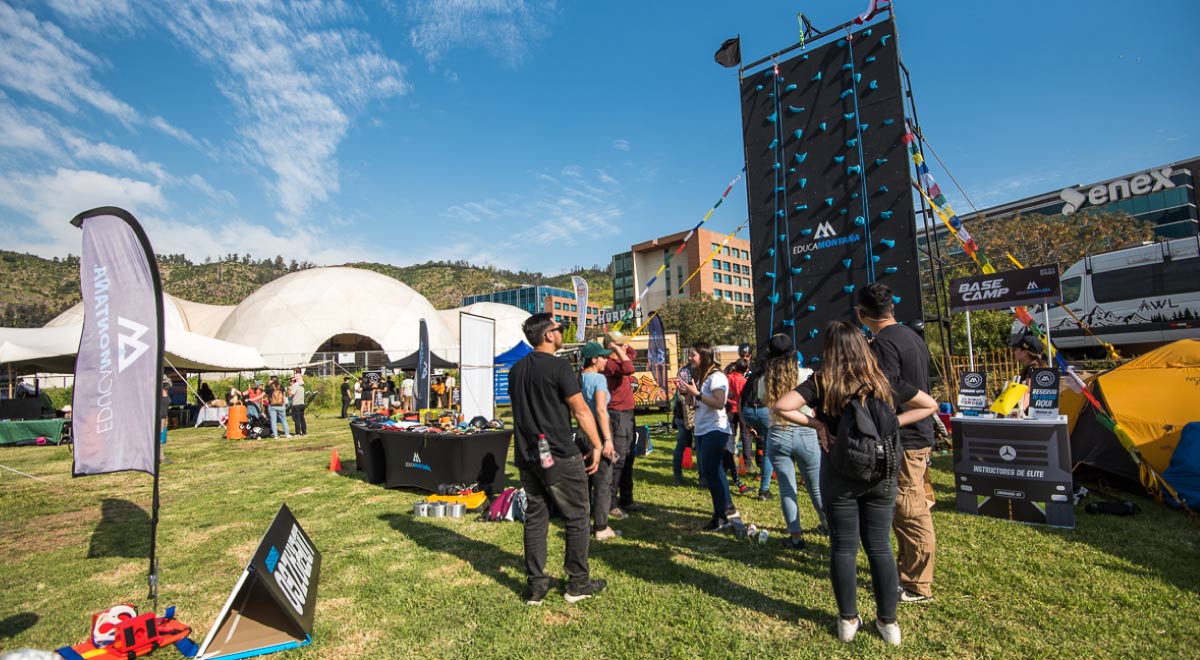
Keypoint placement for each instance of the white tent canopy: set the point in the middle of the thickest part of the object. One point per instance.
(288, 320)
(53, 349)
(194, 317)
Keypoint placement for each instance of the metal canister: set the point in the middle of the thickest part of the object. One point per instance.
(437, 510)
(455, 510)
(421, 509)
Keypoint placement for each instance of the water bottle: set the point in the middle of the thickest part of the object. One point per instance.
(752, 531)
(544, 452)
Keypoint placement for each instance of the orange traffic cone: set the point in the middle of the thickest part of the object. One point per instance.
(687, 458)
(335, 464)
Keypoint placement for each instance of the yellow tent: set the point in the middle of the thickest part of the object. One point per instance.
(1152, 397)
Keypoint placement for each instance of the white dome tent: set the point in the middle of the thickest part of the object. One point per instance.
(289, 319)
(184, 314)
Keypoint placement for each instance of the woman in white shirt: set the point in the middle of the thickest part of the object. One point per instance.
(708, 393)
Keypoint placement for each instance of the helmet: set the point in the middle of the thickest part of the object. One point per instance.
(479, 422)
(745, 349)
(496, 424)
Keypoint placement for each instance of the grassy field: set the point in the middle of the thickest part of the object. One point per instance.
(395, 586)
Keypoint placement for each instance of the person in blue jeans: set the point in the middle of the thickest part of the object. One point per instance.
(756, 421)
(707, 393)
(857, 511)
(683, 435)
(277, 408)
(789, 445)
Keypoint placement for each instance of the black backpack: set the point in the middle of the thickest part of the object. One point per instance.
(868, 441)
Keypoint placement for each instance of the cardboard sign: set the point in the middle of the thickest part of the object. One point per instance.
(272, 605)
(1012, 288)
(1043, 394)
(972, 393)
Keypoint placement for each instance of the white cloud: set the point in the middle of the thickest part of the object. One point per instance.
(115, 156)
(504, 28)
(94, 13)
(297, 76)
(622, 145)
(606, 178)
(200, 183)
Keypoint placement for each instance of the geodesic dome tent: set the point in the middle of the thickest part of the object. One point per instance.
(191, 316)
(289, 319)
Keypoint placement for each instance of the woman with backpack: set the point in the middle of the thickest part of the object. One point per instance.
(857, 508)
(707, 391)
(277, 408)
(790, 445)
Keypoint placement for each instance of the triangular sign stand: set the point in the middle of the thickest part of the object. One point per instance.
(272, 605)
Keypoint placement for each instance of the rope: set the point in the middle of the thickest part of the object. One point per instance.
(779, 163)
(862, 172)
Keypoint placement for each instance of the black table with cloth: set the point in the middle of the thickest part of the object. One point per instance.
(428, 460)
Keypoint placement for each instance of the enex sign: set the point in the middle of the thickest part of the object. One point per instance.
(1117, 189)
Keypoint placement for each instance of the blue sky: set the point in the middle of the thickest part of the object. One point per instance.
(527, 134)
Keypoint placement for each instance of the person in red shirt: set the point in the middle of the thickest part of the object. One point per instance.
(736, 374)
(619, 375)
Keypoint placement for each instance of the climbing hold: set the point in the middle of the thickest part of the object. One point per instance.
(817, 77)
(847, 66)
(787, 323)
(888, 122)
(849, 288)
(811, 308)
(803, 182)
(880, 161)
(853, 195)
(846, 263)
(799, 133)
(790, 87)
(828, 201)
(891, 269)
(791, 170)
(771, 117)
(770, 275)
(770, 253)
(845, 93)
(884, 38)
(869, 60)
(796, 270)
(883, 189)
(841, 43)
(821, 126)
(852, 170)
(794, 109)
(772, 146)
(875, 258)
(804, 57)
(852, 142)
(859, 220)
(839, 159)
(874, 84)
(814, 359)
(843, 212)
(848, 116)
(808, 257)
(771, 95)
(813, 333)
(866, 33)
(759, 88)
(885, 214)
(858, 77)
(780, 213)
(774, 298)
(775, 166)
(800, 157)
(779, 189)
(797, 296)
(783, 237)
(801, 207)
(887, 242)
(806, 231)
(895, 300)
(863, 127)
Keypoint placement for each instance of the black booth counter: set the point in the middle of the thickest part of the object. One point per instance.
(403, 459)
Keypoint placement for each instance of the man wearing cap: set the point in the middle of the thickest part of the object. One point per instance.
(1029, 350)
(592, 359)
(619, 374)
(545, 393)
(903, 356)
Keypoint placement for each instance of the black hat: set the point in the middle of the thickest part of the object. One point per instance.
(1029, 342)
(745, 349)
(780, 345)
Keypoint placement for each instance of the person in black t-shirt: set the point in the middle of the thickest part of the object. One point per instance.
(903, 355)
(545, 393)
(347, 392)
(856, 510)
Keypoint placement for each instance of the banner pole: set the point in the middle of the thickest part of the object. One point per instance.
(970, 344)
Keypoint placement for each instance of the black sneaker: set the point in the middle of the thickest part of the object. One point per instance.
(714, 525)
(535, 595)
(593, 587)
(765, 495)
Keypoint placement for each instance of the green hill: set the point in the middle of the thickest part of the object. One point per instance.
(34, 290)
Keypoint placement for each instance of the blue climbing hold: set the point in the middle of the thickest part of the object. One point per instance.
(852, 142)
(848, 116)
(814, 359)
(874, 84)
(863, 127)
(796, 296)
(806, 232)
(887, 242)
(772, 146)
(853, 195)
(866, 33)
(869, 60)
(852, 170)
(888, 122)
(791, 170)
(883, 189)
(780, 213)
(843, 212)
(813, 333)
(845, 93)
(800, 157)
(828, 201)
(849, 288)
(787, 323)
(804, 57)
(817, 77)
(774, 298)
(885, 214)
(884, 38)
(794, 109)
(759, 88)
(808, 257)
(859, 220)
(771, 117)
(783, 237)
(803, 182)
(821, 126)
(847, 66)
(799, 133)
(770, 275)
(790, 87)
(891, 269)
(880, 161)
(846, 263)
(780, 189)
(801, 207)
(841, 43)
(796, 270)
(858, 77)
(895, 300)
(811, 308)
(874, 258)
(770, 253)
(771, 95)
(775, 166)
(839, 159)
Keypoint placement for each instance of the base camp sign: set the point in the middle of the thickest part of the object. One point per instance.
(271, 607)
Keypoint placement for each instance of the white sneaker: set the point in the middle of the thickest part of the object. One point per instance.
(848, 628)
(287, 435)
(890, 632)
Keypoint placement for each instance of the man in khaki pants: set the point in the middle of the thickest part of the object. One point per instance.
(903, 355)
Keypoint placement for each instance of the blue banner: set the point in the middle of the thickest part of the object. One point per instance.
(657, 356)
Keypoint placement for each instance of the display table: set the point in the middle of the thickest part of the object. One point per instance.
(26, 432)
(368, 454)
(1015, 469)
(428, 460)
(210, 416)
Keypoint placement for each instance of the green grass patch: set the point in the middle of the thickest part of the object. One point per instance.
(395, 586)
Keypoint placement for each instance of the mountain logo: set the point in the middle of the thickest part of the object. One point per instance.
(824, 230)
(416, 463)
(973, 380)
(1032, 286)
(131, 344)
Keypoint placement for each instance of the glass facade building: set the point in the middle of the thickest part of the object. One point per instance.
(530, 298)
(622, 268)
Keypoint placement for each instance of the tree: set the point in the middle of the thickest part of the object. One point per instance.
(702, 318)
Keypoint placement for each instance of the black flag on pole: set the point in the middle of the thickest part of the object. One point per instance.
(730, 53)
(422, 384)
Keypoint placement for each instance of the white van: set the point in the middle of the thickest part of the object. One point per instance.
(1146, 295)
